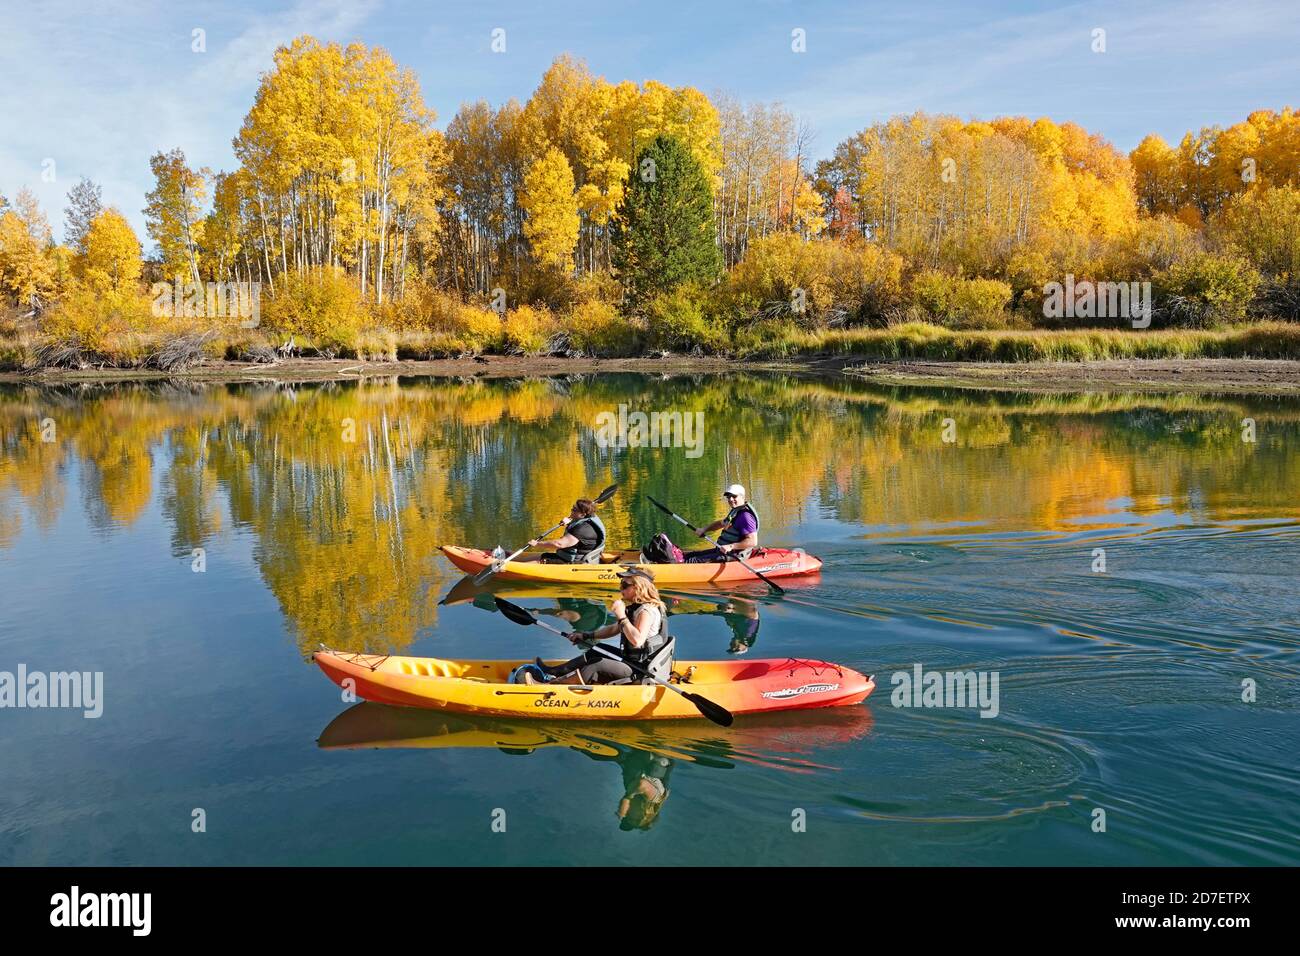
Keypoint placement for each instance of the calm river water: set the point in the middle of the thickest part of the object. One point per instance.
(1127, 565)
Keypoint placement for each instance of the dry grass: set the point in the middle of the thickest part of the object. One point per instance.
(1276, 340)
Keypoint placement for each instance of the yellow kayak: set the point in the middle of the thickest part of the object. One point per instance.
(773, 562)
(482, 687)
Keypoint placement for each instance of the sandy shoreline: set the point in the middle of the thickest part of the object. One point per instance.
(1232, 375)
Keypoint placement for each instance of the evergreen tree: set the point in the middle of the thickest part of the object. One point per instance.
(663, 234)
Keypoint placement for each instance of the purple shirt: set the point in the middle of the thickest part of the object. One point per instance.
(744, 524)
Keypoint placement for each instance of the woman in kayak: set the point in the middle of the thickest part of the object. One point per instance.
(583, 540)
(739, 530)
(640, 622)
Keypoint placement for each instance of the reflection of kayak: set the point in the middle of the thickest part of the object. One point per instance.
(704, 597)
(481, 687)
(789, 740)
(773, 562)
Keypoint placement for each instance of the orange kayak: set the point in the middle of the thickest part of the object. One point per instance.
(773, 562)
(483, 687)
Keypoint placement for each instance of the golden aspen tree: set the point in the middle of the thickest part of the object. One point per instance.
(1155, 171)
(27, 269)
(174, 212)
(112, 260)
(551, 210)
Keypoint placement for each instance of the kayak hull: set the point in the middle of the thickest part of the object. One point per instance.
(481, 687)
(773, 562)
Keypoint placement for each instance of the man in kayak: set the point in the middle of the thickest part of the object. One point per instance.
(583, 540)
(739, 530)
(641, 623)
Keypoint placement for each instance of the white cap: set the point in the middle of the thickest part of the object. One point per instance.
(737, 490)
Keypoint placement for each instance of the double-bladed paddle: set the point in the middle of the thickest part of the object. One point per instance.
(748, 567)
(715, 712)
(496, 566)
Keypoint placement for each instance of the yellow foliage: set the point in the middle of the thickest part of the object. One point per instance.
(112, 260)
(322, 306)
(853, 279)
(528, 330)
(595, 327)
(92, 319)
(26, 269)
(551, 208)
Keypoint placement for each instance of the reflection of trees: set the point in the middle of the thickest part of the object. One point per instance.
(347, 531)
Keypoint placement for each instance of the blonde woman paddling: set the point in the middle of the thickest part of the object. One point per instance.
(640, 623)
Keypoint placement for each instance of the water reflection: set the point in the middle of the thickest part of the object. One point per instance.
(347, 489)
(646, 754)
(588, 609)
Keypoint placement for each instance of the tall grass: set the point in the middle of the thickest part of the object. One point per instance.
(918, 340)
(605, 333)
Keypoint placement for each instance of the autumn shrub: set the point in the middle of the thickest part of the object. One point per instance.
(598, 287)
(957, 302)
(99, 324)
(421, 306)
(1154, 244)
(866, 280)
(595, 327)
(528, 330)
(1262, 226)
(473, 329)
(322, 308)
(15, 342)
(816, 282)
(682, 321)
(546, 287)
(375, 345)
(1205, 289)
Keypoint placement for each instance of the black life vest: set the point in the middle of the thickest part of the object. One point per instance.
(590, 533)
(729, 534)
(639, 655)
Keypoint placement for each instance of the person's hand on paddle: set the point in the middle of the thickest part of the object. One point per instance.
(533, 542)
(577, 637)
(726, 548)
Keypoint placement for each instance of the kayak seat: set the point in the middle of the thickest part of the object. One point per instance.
(660, 665)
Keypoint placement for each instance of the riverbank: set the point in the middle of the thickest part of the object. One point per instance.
(1227, 375)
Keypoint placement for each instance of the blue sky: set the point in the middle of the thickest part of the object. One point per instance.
(99, 87)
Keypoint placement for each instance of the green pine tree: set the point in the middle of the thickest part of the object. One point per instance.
(663, 233)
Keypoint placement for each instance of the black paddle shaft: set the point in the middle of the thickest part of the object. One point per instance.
(715, 712)
(748, 567)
